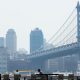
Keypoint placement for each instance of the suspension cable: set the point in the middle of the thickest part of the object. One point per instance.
(62, 25)
(63, 30)
(67, 35)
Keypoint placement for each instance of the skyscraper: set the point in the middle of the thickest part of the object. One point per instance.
(4, 56)
(2, 42)
(36, 40)
(11, 41)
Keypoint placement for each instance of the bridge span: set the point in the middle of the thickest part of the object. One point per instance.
(39, 57)
(60, 51)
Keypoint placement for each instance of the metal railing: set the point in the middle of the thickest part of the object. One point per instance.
(39, 77)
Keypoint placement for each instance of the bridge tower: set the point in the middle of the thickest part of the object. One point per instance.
(78, 22)
(78, 27)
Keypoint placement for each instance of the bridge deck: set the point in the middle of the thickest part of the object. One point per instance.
(53, 50)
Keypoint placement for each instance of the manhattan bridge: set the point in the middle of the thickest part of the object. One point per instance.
(66, 41)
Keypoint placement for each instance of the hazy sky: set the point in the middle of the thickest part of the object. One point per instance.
(25, 15)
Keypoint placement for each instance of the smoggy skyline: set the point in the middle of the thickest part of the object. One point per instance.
(25, 15)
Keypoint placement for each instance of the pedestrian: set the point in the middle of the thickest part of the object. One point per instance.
(17, 75)
(39, 71)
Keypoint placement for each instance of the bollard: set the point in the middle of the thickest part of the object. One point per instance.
(0, 76)
(60, 77)
(17, 76)
(6, 77)
(71, 77)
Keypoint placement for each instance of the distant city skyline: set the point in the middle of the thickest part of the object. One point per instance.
(25, 15)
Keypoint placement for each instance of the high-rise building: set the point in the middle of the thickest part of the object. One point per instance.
(36, 40)
(4, 56)
(2, 42)
(11, 41)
